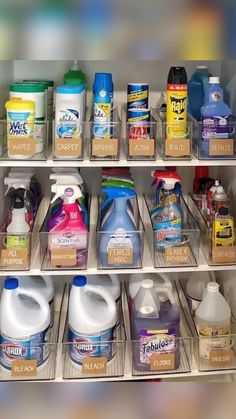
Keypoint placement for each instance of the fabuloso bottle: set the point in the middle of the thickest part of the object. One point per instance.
(177, 92)
(215, 117)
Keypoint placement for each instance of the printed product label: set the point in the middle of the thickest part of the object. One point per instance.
(24, 368)
(218, 339)
(221, 147)
(20, 124)
(177, 255)
(177, 148)
(94, 366)
(91, 346)
(215, 127)
(120, 249)
(66, 147)
(68, 240)
(224, 254)
(168, 233)
(154, 342)
(177, 111)
(163, 362)
(67, 124)
(21, 146)
(221, 358)
(102, 120)
(18, 242)
(33, 348)
(63, 257)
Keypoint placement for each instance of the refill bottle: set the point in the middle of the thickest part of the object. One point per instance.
(24, 325)
(197, 91)
(215, 117)
(213, 322)
(92, 322)
(154, 329)
(119, 244)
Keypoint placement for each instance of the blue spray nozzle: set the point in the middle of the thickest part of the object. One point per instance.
(116, 193)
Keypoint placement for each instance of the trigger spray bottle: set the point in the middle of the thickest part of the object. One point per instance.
(177, 92)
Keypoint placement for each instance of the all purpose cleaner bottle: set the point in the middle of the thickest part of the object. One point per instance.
(92, 322)
(197, 91)
(24, 325)
(215, 117)
(154, 330)
(213, 322)
(44, 285)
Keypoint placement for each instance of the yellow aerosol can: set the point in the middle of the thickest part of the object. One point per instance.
(177, 98)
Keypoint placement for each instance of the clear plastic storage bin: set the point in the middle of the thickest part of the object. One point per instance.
(63, 250)
(105, 139)
(141, 140)
(215, 255)
(18, 147)
(118, 249)
(181, 251)
(27, 370)
(177, 361)
(215, 148)
(68, 140)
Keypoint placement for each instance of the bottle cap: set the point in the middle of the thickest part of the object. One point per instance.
(27, 87)
(213, 287)
(11, 284)
(79, 281)
(70, 89)
(214, 80)
(147, 283)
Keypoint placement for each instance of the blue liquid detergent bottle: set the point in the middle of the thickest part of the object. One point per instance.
(197, 91)
(119, 244)
(215, 117)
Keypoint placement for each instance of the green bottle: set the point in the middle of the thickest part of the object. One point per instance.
(75, 75)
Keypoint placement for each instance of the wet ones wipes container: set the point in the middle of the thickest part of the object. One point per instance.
(20, 129)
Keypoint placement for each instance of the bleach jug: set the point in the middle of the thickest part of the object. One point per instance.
(24, 325)
(195, 288)
(197, 91)
(154, 329)
(42, 284)
(92, 322)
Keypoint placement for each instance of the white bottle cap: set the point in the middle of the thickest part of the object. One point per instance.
(214, 80)
(202, 67)
(147, 283)
(213, 287)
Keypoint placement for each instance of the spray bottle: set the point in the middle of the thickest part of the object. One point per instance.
(71, 232)
(167, 218)
(34, 183)
(119, 244)
(18, 228)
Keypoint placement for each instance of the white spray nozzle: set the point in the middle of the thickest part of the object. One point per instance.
(16, 183)
(69, 194)
(67, 179)
(169, 183)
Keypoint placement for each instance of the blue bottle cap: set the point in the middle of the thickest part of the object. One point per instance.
(11, 284)
(70, 89)
(103, 81)
(79, 281)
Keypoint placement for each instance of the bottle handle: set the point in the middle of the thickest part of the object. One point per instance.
(37, 297)
(96, 289)
(161, 288)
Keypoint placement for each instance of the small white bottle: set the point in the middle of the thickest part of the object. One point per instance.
(213, 321)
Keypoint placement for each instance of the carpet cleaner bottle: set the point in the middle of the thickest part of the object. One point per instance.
(92, 322)
(18, 229)
(44, 285)
(213, 322)
(24, 325)
(197, 91)
(215, 117)
(154, 329)
(177, 93)
(71, 232)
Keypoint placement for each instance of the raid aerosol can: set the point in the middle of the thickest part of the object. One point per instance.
(177, 92)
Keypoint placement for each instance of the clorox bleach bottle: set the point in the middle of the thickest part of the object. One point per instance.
(111, 284)
(92, 322)
(43, 284)
(24, 325)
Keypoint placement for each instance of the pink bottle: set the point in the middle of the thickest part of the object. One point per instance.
(71, 233)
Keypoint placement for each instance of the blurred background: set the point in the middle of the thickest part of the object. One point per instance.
(117, 29)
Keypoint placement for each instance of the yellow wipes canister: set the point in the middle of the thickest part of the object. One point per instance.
(177, 92)
(20, 120)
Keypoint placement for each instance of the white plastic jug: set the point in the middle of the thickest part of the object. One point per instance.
(213, 321)
(135, 283)
(92, 321)
(227, 281)
(111, 284)
(43, 284)
(195, 288)
(24, 325)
